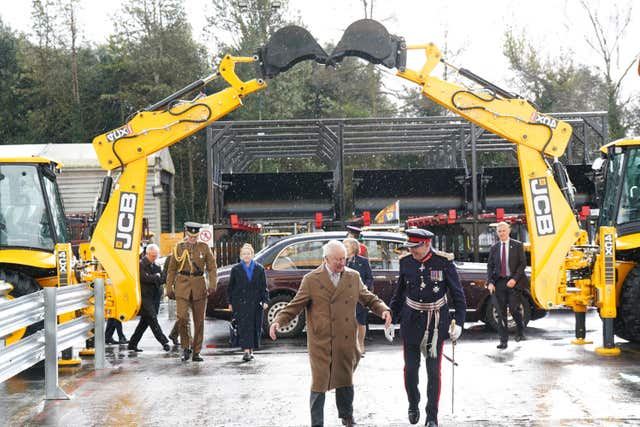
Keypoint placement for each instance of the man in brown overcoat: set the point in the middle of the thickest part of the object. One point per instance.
(186, 283)
(330, 294)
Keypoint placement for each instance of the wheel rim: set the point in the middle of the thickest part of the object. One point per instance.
(273, 312)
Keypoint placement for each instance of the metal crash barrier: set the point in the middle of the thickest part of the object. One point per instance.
(45, 344)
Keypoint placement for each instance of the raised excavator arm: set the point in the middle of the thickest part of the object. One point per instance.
(116, 239)
(566, 270)
(540, 141)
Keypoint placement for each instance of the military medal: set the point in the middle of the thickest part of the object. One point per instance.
(422, 284)
(421, 267)
(436, 276)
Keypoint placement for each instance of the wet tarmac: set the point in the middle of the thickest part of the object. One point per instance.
(543, 381)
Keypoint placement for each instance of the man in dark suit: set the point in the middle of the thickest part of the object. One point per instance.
(505, 279)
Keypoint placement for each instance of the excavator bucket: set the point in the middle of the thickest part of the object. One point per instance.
(370, 40)
(286, 47)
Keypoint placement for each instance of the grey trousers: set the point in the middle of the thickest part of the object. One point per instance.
(344, 402)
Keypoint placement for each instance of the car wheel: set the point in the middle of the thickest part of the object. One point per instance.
(294, 328)
(491, 313)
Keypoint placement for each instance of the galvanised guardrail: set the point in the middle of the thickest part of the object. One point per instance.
(45, 344)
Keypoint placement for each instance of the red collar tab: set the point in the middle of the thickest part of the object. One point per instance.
(426, 258)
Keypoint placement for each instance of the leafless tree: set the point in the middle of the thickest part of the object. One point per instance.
(605, 40)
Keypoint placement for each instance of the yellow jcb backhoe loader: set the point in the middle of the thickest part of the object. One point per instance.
(569, 268)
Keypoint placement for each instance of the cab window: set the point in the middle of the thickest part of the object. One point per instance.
(384, 255)
(24, 221)
(630, 198)
(299, 256)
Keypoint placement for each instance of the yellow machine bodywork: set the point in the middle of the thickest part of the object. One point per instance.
(116, 240)
(113, 252)
(558, 245)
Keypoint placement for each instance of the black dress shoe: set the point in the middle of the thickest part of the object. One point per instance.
(197, 358)
(414, 416)
(502, 345)
(166, 347)
(123, 341)
(431, 424)
(186, 354)
(348, 421)
(136, 349)
(520, 337)
(246, 357)
(110, 341)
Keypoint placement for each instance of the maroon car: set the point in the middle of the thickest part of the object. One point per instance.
(288, 260)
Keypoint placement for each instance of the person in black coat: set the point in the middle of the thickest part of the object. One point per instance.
(505, 278)
(151, 281)
(362, 266)
(248, 297)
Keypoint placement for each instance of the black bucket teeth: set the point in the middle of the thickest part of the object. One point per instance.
(286, 47)
(370, 40)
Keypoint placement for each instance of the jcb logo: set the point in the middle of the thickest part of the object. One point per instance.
(545, 120)
(608, 245)
(116, 134)
(126, 221)
(542, 206)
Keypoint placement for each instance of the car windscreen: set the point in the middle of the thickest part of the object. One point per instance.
(299, 256)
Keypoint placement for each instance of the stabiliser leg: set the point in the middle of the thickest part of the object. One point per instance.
(581, 328)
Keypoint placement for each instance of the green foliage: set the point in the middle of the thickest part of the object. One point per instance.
(11, 107)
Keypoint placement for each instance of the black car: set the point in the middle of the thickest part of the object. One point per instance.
(289, 259)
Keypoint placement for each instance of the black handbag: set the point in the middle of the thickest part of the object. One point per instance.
(234, 339)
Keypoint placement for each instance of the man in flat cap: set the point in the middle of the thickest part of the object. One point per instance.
(186, 283)
(420, 304)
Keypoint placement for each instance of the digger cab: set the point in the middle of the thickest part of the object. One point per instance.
(620, 206)
(32, 218)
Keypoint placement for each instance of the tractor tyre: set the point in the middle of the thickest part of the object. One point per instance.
(627, 323)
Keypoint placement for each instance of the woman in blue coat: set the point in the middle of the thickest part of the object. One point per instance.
(247, 293)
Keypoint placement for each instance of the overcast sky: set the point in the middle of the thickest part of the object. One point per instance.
(555, 26)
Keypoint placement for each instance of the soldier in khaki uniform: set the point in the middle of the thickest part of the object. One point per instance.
(186, 283)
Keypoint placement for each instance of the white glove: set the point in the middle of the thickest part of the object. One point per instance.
(390, 332)
(454, 332)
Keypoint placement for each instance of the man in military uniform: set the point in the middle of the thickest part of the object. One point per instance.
(186, 283)
(420, 304)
